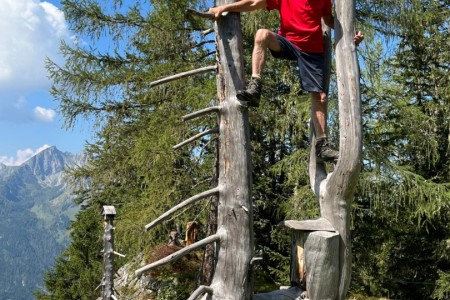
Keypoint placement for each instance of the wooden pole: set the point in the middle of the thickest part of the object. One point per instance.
(108, 214)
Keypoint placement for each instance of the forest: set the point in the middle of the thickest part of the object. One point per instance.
(401, 210)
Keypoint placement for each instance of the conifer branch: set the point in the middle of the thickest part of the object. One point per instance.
(186, 202)
(195, 137)
(184, 251)
(200, 291)
(184, 74)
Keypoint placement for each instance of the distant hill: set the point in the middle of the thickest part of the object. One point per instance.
(36, 206)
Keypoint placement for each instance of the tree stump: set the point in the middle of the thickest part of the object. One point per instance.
(322, 262)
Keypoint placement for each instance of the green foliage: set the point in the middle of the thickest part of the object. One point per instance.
(78, 271)
(442, 290)
(402, 206)
(131, 163)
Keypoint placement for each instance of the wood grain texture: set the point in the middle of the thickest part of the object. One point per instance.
(335, 191)
(232, 278)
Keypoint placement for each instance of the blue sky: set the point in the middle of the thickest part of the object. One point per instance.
(29, 121)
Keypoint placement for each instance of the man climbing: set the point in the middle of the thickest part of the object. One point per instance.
(299, 38)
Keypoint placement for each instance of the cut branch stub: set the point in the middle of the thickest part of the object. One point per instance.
(196, 137)
(204, 15)
(184, 251)
(183, 74)
(205, 111)
(176, 208)
(203, 289)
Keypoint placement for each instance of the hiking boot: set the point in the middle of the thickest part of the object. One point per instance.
(252, 94)
(324, 150)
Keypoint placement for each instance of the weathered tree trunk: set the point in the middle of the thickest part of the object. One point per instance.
(336, 191)
(234, 236)
(235, 216)
(322, 263)
(341, 185)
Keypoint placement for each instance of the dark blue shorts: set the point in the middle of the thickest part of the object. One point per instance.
(310, 64)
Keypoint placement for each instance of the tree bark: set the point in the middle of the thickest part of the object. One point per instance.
(322, 263)
(335, 191)
(235, 214)
(341, 185)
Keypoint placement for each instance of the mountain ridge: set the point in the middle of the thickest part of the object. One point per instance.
(36, 207)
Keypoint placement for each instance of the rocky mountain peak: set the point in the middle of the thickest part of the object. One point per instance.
(48, 162)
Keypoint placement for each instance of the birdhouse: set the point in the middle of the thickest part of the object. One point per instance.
(108, 212)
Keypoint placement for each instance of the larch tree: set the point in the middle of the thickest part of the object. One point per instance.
(130, 162)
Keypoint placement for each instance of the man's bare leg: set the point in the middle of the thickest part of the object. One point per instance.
(264, 39)
(319, 113)
(319, 118)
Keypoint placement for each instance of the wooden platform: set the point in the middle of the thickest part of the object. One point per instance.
(320, 224)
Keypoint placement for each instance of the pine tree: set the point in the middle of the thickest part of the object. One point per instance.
(402, 212)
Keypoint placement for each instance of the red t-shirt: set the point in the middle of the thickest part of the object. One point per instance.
(301, 22)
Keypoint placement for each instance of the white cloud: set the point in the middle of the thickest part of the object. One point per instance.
(31, 32)
(21, 156)
(44, 115)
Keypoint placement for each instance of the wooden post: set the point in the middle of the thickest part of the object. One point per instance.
(322, 263)
(108, 214)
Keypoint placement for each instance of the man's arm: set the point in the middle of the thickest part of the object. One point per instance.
(240, 6)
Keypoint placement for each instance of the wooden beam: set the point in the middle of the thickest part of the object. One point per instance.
(320, 224)
(109, 213)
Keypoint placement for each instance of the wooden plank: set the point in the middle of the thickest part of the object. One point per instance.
(320, 224)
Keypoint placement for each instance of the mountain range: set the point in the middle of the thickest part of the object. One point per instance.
(36, 206)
